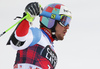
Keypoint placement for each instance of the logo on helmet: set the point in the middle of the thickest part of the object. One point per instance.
(53, 16)
(66, 10)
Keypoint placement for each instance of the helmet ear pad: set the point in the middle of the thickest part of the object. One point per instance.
(47, 22)
(50, 24)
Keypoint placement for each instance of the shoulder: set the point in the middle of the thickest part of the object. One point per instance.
(36, 32)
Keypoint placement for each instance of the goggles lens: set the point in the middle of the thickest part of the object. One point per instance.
(65, 20)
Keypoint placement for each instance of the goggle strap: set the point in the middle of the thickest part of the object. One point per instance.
(50, 15)
(61, 24)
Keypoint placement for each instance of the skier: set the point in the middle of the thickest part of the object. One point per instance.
(34, 45)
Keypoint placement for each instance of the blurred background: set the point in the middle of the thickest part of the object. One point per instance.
(81, 47)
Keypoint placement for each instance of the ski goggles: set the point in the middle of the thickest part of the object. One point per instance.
(64, 20)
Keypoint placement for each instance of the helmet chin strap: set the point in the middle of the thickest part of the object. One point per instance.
(53, 31)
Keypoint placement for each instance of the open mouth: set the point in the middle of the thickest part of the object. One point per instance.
(65, 33)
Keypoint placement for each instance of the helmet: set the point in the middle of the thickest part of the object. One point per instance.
(54, 12)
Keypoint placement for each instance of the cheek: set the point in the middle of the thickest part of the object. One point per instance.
(58, 31)
(58, 28)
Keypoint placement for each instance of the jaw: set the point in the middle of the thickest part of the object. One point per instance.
(60, 36)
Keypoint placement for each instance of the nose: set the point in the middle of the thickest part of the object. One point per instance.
(67, 27)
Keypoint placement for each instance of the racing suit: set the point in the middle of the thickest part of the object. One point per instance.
(35, 47)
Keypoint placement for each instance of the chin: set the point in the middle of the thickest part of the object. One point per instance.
(60, 38)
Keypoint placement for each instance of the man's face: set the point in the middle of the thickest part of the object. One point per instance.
(61, 31)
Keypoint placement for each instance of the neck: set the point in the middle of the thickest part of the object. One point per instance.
(48, 32)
